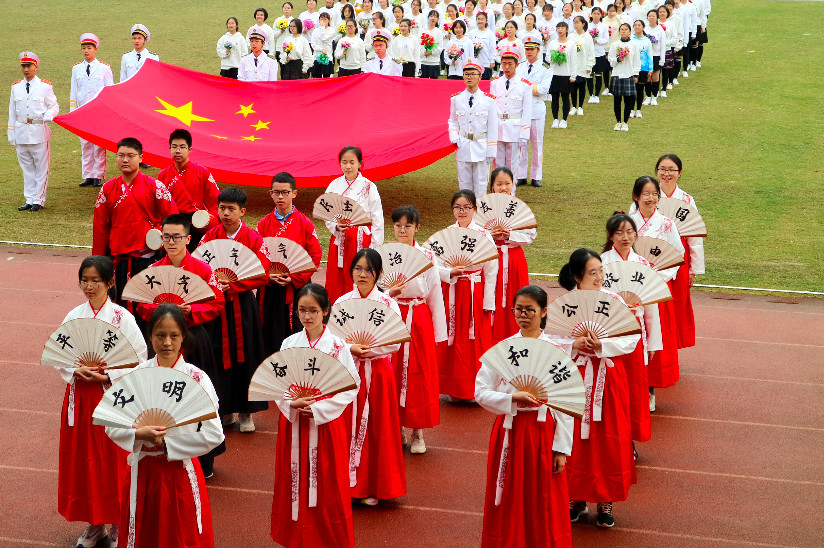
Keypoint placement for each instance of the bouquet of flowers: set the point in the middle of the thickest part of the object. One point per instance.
(282, 25)
(447, 27)
(621, 52)
(477, 46)
(546, 33)
(594, 32)
(323, 59)
(396, 31)
(428, 42)
(610, 31)
(288, 47)
(358, 9)
(500, 33)
(342, 29)
(652, 38)
(397, 3)
(345, 46)
(559, 55)
(228, 44)
(454, 52)
(364, 24)
(578, 47)
(462, 10)
(415, 24)
(308, 25)
(400, 60)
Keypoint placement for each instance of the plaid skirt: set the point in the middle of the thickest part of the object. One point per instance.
(669, 60)
(625, 87)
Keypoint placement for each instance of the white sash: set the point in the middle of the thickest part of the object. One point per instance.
(70, 405)
(295, 466)
(411, 303)
(340, 241)
(474, 278)
(505, 273)
(359, 433)
(594, 403)
(499, 484)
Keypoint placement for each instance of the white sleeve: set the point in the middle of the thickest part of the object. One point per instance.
(376, 212)
(73, 94)
(124, 437)
(331, 408)
(452, 123)
(696, 246)
(564, 429)
(652, 323)
(490, 269)
(123, 67)
(195, 440)
(435, 303)
(522, 237)
(308, 60)
(221, 51)
(618, 346)
(12, 115)
(490, 399)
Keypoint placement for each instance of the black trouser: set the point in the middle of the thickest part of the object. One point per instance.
(409, 70)
(430, 71)
(616, 102)
(594, 84)
(487, 75)
(579, 90)
(639, 95)
(229, 73)
(685, 54)
(348, 72)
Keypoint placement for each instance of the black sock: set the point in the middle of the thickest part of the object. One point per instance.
(616, 106)
(565, 101)
(677, 68)
(627, 109)
(665, 74)
(582, 91)
(639, 96)
(598, 84)
(590, 85)
(699, 53)
(656, 87)
(648, 89)
(556, 103)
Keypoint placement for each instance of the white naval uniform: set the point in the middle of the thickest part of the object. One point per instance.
(541, 77)
(85, 87)
(132, 61)
(32, 139)
(385, 66)
(475, 130)
(265, 70)
(515, 118)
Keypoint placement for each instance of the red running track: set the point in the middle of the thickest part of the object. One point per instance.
(735, 457)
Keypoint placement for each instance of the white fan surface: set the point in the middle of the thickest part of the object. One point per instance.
(636, 283)
(401, 263)
(230, 260)
(504, 211)
(167, 284)
(660, 253)
(89, 342)
(542, 369)
(299, 373)
(574, 313)
(367, 322)
(461, 247)
(685, 216)
(335, 207)
(288, 257)
(154, 396)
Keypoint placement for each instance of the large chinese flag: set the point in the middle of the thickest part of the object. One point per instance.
(246, 132)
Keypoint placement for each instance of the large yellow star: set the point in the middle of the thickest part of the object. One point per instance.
(251, 138)
(182, 113)
(246, 110)
(260, 125)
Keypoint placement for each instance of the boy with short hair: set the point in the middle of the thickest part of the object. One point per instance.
(238, 333)
(277, 310)
(257, 66)
(192, 185)
(133, 60)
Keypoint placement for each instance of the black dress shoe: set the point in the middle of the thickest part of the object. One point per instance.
(536, 183)
(87, 182)
(98, 182)
(24, 207)
(36, 207)
(521, 182)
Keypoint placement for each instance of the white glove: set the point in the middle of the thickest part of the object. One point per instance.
(12, 143)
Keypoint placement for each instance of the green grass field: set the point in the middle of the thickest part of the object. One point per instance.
(749, 126)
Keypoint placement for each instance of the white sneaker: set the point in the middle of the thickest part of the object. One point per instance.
(654, 101)
(404, 437)
(638, 114)
(662, 93)
(554, 124)
(597, 100)
(370, 501)
(562, 124)
(92, 535)
(113, 531)
(685, 75)
(652, 403)
(647, 101)
(632, 114)
(592, 99)
(669, 86)
(674, 81)
(606, 92)
(580, 111)
(617, 127)
(692, 67)
(573, 111)
(698, 64)
(625, 127)
(228, 420)
(246, 423)
(418, 446)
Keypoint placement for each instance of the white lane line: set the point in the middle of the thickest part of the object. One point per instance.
(18, 541)
(752, 379)
(240, 490)
(767, 310)
(28, 469)
(32, 411)
(740, 542)
(743, 423)
(760, 342)
(724, 475)
(52, 325)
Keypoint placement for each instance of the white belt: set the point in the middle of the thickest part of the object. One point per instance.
(70, 405)
(411, 303)
(473, 136)
(473, 278)
(506, 116)
(359, 433)
(504, 249)
(592, 409)
(340, 241)
(295, 466)
(639, 314)
(499, 484)
(23, 120)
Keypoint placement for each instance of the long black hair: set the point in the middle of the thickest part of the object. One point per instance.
(319, 293)
(575, 268)
(639, 185)
(614, 223)
(373, 259)
(536, 294)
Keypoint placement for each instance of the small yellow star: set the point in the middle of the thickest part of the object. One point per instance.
(218, 137)
(251, 138)
(246, 110)
(182, 113)
(260, 125)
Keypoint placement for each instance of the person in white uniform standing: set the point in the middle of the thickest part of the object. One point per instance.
(513, 96)
(89, 77)
(133, 60)
(539, 76)
(257, 66)
(381, 63)
(473, 126)
(32, 104)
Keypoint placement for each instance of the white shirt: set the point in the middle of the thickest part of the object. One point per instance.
(631, 65)
(569, 67)
(386, 66)
(427, 286)
(660, 227)
(480, 119)
(38, 104)
(434, 58)
(486, 56)
(405, 47)
(584, 52)
(86, 86)
(514, 108)
(490, 270)
(365, 192)
(265, 69)
(132, 61)
(355, 57)
(231, 58)
(696, 244)
(541, 78)
(300, 52)
(376, 295)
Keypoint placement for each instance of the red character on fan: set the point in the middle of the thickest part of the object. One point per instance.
(277, 298)
(527, 452)
(322, 513)
(513, 272)
(669, 170)
(128, 207)
(88, 484)
(238, 332)
(376, 463)
(192, 186)
(346, 240)
(176, 237)
(164, 502)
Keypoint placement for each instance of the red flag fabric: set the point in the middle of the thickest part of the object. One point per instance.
(245, 132)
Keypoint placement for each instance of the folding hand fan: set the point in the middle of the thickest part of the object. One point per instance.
(167, 284)
(685, 216)
(576, 312)
(401, 263)
(542, 369)
(367, 322)
(660, 253)
(299, 373)
(288, 257)
(89, 342)
(461, 247)
(636, 283)
(231, 261)
(336, 208)
(504, 211)
(154, 396)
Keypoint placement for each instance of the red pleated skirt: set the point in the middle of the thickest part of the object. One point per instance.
(381, 473)
(88, 479)
(601, 468)
(458, 363)
(684, 315)
(638, 385)
(422, 409)
(330, 522)
(662, 371)
(165, 515)
(534, 509)
(339, 279)
(503, 322)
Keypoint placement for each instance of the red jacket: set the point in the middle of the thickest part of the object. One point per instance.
(201, 312)
(299, 229)
(250, 239)
(123, 215)
(193, 188)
